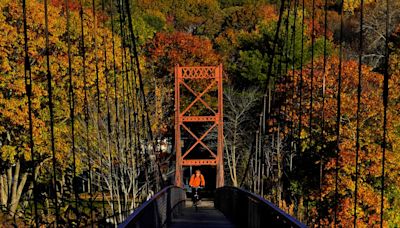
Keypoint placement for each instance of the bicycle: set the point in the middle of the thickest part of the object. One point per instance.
(196, 198)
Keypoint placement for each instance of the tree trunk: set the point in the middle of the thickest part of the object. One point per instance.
(279, 161)
(11, 187)
(234, 176)
(3, 190)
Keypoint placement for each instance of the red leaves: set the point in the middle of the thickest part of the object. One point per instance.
(72, 4)
(371, 119)
(180, 48)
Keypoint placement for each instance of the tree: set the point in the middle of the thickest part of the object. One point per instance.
(237, 137)
(370, 140)
(16, 162)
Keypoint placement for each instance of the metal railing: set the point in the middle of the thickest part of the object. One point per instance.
(159, 210)
(246, 209)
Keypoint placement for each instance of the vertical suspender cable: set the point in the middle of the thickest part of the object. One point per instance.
(124, 72)
(99, 153)
(270, 65)
(135, 105)
(287, 51)
(311, 86)
(125, 94)
(131, 130)
(385, 106)
(129, 92)
(106, 72)
(338, 118)
(86, 108)
(266, 115)
(116, 102)
(116, 127)
(71, 103)
(283, 109)
(50, 96)
(296, 2)
(299, 147)
(136, 56)
(359, 90)
(301, 80)
(321, 161)
(312, 70)
(28, 87)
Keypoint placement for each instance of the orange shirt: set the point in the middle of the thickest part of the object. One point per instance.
(197, 181)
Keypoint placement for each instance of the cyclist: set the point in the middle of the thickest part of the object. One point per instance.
(196, 182)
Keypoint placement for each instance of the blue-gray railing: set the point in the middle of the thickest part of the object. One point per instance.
(159, 210)
(246, 209)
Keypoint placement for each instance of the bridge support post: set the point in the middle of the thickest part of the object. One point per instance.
(178, 147)
(220, 146)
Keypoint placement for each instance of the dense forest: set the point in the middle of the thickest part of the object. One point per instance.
(285, 53)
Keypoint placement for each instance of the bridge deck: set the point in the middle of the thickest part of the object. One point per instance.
(206, 216)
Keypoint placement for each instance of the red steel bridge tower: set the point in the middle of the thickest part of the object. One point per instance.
(188, 78)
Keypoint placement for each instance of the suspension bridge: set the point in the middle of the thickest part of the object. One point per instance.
(121, 173)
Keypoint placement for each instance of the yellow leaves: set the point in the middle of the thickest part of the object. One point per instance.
(8, 153)
(351, 5)
(13, 100)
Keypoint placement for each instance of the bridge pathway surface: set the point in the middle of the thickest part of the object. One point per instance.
(206, 216)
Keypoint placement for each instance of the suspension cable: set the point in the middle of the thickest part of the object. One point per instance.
(98, 102)
(86, 107)
(106, 74)
(385, 107)
(287, 51)
(270, 64)
(323, 112)
(51, 111)
(159, 179)
(293, 90)
(359, 91)
(135, 104)
(116, 102)
(28, 87)
(338, 118)
(71, 103)
(301, 80)
(136, 108)
(124, 73)
(287, 56)
(312, 70)
(266, 115)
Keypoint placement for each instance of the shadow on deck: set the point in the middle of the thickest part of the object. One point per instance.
(206, 216)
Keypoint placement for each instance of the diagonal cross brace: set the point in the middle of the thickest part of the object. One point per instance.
(199, 140)
(198, 97)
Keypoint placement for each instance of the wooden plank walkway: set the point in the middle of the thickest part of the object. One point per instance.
(206, 216)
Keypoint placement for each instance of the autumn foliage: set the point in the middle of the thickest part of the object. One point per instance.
(14, 125)
(301, 145)
(321, 145)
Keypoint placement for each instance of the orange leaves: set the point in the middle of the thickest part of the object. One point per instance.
(181, 48)
(13, 101)
(268, 13)
(371, 119)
